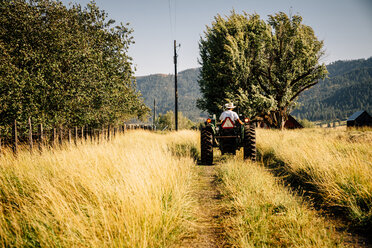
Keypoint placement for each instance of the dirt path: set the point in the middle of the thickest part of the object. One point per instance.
(208, 229)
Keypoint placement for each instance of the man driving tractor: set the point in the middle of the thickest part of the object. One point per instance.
(230, 113)
(227, 136)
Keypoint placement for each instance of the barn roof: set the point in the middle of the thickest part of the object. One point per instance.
(294, 121)
(356, 115)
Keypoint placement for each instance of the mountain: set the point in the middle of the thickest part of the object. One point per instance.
(347, 89)
(161, 88)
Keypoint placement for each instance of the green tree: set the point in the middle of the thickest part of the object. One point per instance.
(260, 66)
(306, 123)
(65, 66)
(167, 121)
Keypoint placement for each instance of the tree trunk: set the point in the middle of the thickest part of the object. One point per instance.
(276, 119)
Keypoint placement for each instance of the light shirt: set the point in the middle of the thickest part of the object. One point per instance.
(229, 113)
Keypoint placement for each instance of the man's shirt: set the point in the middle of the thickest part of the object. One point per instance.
(229, 113)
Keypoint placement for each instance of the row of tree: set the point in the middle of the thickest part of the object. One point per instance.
(347, 90)
(65, 66)
(260, 66)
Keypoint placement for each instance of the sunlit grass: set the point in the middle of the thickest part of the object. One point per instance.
(263, 213)
(138, 191)
(131, 192)
(336, 164)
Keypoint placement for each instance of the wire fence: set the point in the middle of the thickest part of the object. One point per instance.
(37, 137)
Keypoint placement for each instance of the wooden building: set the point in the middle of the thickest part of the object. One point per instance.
(359, 119)
(292, 123)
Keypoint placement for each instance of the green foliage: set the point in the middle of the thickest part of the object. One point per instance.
(186, 149)
(167, 121)
(260, 66)
(64, 66)
(347, 90)
(306, 123)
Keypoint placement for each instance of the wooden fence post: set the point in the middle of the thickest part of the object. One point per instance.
(60, 135)
(69, 136)
(86, 133)
(30, 133)
(41, 137)
(91, 134)
(54, 137)
(82, 133)
(14, 137)
(76, 135)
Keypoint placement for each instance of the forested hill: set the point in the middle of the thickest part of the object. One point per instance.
(161, 88)
(348, 89)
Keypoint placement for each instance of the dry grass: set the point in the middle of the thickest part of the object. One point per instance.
(131, 192)
(137, 191)
(336, 164)
(263, 213)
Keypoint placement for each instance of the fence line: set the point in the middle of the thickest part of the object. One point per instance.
(57, 136)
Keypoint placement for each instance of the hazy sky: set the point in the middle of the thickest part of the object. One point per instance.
(344, 25)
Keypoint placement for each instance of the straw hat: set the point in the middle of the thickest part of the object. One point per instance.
(229, 105)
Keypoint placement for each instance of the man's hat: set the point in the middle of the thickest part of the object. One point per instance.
(229, 105)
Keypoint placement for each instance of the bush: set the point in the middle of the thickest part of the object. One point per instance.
(166, 121)
(306, 123)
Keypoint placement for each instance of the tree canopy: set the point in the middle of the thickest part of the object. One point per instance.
(261, 66)
(65, 66)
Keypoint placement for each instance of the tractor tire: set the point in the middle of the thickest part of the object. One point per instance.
(250, 142)
(206, 146)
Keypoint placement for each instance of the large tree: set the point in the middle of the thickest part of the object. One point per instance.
(64, 66)
(261, 66)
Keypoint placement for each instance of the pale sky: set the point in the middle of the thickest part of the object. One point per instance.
(344, 25)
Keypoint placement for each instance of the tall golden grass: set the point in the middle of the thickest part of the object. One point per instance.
(131, 192)
(336, 164)
(265, 214)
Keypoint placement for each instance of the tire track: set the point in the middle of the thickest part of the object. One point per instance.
(208, 230)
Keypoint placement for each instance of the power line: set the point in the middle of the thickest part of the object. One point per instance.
(170, 18)
(174, 58)
(173, 17)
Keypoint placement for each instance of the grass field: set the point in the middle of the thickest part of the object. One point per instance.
(265, 214)
(334, 165)
(140, 190)
(131, 192)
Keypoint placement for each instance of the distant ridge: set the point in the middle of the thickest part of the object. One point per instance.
(348, 89)
(161, 88)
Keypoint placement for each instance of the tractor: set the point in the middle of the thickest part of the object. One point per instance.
(228, 137)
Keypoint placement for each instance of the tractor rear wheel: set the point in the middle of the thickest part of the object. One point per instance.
(206, 146)
(250, 142)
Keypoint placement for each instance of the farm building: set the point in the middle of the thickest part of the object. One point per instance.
(359, 119)
(291, 123)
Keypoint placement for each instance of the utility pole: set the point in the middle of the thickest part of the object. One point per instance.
(154, 119)
(175, 86)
